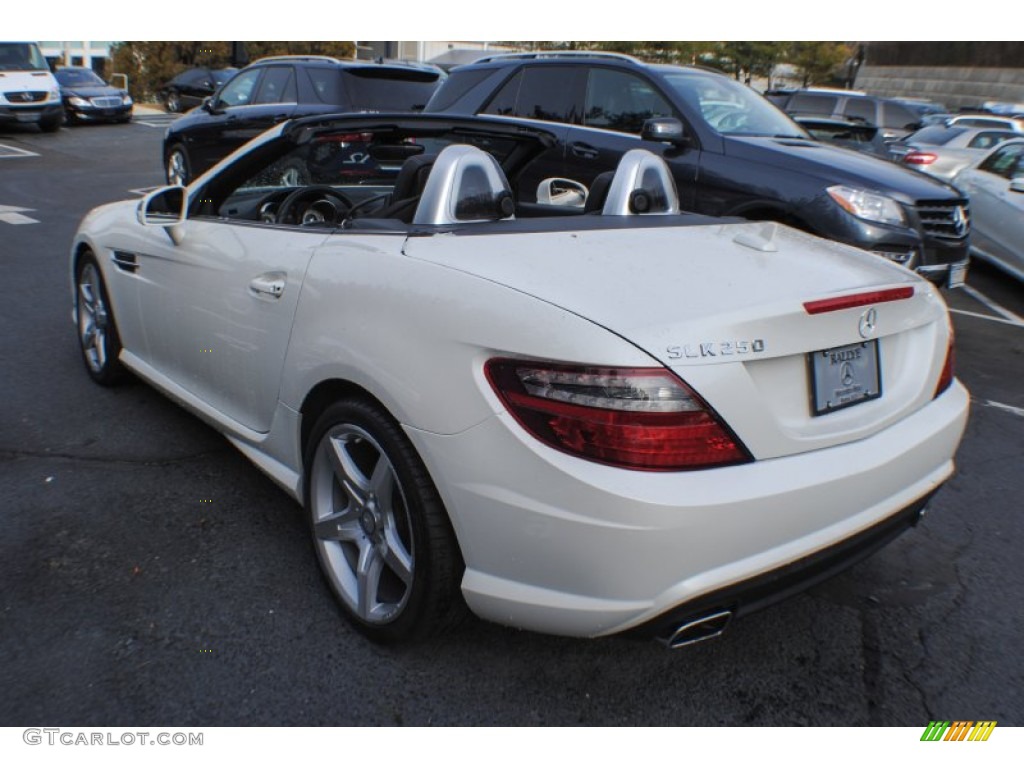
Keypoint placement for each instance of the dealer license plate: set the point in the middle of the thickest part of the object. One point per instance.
(845, 376)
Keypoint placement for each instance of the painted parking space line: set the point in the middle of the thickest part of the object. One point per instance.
(11, 214)
(1004, 407)
(991, 304)
(142, 191)
(6, 151)
(990, 318)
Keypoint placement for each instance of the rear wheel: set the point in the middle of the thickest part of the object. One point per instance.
(179, 169)
(172, 101)
(97, 331)
(380, 531)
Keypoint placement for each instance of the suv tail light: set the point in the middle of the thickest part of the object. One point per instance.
(946, 377)
(920, 158)
(634, 418)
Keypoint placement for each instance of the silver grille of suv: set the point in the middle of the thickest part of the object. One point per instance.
(945, 220)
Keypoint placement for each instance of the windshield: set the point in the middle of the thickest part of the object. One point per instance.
(72, 77)
(21, 57)
(732, 108)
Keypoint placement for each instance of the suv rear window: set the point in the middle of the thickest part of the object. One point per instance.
(812, 104)
(386, 89)
(936, 135)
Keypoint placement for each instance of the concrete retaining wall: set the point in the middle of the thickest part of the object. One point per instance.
(953, 86)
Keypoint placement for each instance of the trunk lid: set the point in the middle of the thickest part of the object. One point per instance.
(723, 306)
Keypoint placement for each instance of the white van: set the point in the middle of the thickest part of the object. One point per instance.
(28, 90)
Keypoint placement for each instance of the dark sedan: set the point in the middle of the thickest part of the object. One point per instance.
(88, 97)
(188, 89)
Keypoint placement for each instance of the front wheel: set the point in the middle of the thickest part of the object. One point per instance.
(380, 531)
(51, 124)
(97, 331)
(172, 101)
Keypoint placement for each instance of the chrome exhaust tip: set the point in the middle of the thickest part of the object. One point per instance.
(703, 628)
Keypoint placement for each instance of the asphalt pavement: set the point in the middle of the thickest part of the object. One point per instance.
(151, 575)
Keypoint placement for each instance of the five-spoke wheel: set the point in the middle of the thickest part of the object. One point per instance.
(97, 332)
(380, 531)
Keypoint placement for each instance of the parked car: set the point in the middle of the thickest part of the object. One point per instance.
(280, 87)
(88, 97)
(582, 417)
(28, 92)
(996, 187)
(851, 134)
(188, 89)
(895, 117)
(997, 122)
(944, 151)
(732, 153)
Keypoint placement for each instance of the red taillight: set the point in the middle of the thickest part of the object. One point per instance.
(635, 418)
(946, 377)
(920, 158)
(857, 300)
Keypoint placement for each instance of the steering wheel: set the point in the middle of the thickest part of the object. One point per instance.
(317, 205)
(732, 121)
(268, 205)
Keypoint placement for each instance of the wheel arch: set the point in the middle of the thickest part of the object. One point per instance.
(321, 396)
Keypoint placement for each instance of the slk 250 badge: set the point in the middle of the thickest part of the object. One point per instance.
(715, 349)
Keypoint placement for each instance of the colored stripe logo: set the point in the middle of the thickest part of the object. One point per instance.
(959, 730)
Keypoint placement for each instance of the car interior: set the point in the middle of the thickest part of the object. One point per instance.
(357, 181)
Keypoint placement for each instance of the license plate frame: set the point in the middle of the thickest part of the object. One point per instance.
(845, 376)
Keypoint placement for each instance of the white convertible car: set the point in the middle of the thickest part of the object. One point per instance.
(588, 415)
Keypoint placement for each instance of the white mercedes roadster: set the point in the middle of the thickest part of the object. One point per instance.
(587, 415)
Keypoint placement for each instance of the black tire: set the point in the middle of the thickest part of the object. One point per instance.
(51, 124)
(178, 167)
(98, 338)
(382, 536)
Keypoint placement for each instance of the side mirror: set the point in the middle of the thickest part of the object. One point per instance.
(564, 192)
(666, 129)
(210, 105)
(163, 207)
(1017, 184)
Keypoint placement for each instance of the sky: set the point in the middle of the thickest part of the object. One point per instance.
(467, 20)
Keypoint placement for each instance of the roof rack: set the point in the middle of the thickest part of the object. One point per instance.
(557, 55)
(298, 57)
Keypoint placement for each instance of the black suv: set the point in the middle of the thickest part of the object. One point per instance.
(731, 151)
(280, 87)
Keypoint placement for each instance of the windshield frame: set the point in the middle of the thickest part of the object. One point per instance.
(77, 75)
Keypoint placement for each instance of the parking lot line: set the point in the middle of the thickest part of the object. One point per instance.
(1004, 407)
(996, 307)
(1015, 324)
(8, 151)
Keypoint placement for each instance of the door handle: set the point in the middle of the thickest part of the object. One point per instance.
(267, 286)
(585, 151)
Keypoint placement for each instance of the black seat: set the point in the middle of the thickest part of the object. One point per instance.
(598, 192)
(409, 184)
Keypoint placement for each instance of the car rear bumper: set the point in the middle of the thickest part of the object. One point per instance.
(564, 546)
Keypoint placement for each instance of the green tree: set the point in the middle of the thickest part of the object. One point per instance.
(751, 59)
(149, 65)
(820, 62)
